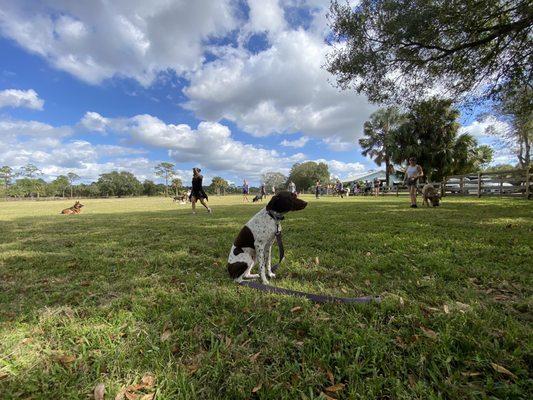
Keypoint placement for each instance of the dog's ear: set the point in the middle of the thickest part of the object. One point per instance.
(281, 203)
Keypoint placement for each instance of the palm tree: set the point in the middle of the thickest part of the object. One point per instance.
(377, 130)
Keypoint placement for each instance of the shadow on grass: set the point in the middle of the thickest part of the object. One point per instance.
(106, 287)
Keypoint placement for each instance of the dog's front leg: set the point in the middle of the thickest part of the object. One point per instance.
(269, 262)
(261, 260)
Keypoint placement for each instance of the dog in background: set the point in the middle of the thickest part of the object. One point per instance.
(430, 194)
(182, 198)
(255, 239)
(257, 198)
(75, 209)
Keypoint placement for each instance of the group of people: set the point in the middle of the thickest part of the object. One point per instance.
(412, 175)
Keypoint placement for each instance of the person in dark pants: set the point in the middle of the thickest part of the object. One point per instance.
(317, 189)
(197, 192)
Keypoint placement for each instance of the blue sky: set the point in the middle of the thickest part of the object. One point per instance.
(235, 87)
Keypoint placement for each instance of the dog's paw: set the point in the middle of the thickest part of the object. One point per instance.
(252, 276)
(271, 275)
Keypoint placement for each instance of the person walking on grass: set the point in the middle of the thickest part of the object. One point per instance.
(245, 191)
(317, 188)
(263, 190)
(412, 174)
(197, 191)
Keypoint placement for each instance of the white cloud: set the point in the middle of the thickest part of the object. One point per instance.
(298, 143)
(281, 89)
(479, 128)
(343, 170)
(21, 98)
(133, 38)
(93, 121)
(210, 145)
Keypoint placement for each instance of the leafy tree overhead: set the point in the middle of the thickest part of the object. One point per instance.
(399, 50)
(376, 142)
(119, 184)
(304, 175)
(274, 179)
(166, 171)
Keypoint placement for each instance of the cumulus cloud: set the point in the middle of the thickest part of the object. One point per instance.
(298, 143)
(95, 41)
(479, 129)
(343, 170)
(55, 150)
(210, 145)
(281, 89)
(21, 98)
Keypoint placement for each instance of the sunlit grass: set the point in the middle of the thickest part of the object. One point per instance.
(138, 286)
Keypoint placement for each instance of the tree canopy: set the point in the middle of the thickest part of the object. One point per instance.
(430, 133)
(401, 50)
(304, 175)
(274, 179)
(376, 141)
(119, 184)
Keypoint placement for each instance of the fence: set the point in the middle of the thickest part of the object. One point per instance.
(514, 183)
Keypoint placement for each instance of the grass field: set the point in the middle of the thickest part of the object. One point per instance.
(134, 294)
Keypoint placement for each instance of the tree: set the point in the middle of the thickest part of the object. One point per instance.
(516, 109)
(429, 133)
(119, 184)
(500, 167)
(165, 170)
(177, 184)
(218, 183)
(31, 171)
(305, 174)
(377, 131)
(274, 179)
(401, 50)
(149, 188)
(6, 176)
(60, 184)
(468, 156)
(72, 177)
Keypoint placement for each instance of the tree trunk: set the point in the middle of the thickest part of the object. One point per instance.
(71, 192)
(387, 170)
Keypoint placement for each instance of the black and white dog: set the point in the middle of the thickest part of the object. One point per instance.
(255, 240)
(257, 198)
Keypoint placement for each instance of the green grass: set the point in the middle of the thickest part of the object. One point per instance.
(138, 286)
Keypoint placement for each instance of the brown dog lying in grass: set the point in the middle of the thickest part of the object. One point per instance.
(75, 209)
(431, 194)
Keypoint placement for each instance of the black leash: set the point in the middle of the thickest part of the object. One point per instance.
(317, 298)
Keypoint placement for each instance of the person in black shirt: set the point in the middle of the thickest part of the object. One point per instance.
(197, 192)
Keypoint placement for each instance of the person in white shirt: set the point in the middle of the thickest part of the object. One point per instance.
(412, 174)
(292, 187)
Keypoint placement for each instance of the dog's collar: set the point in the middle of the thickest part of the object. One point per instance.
(276, 216)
